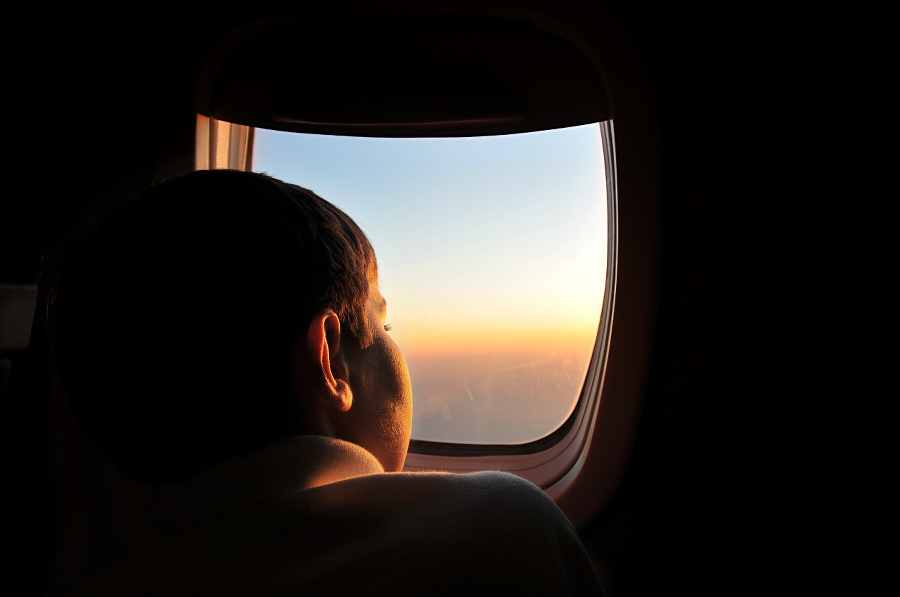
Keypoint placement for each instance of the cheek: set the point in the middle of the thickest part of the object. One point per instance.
(401, 378)
(383, 398)
(400, 392)
(394, 388)
(382, 382)
(386, 374)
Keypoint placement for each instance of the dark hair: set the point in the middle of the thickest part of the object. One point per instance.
(176, 319)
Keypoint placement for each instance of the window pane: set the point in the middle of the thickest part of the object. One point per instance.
(492, 257)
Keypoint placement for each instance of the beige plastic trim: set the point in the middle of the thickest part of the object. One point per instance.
(223, 145)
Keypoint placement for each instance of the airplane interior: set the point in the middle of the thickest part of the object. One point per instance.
(711, 448)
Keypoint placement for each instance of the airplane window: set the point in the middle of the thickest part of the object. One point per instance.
(492, 255)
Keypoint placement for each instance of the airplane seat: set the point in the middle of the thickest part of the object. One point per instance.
(96, 508)
(71, 499)
(17, 305)
(26, 436)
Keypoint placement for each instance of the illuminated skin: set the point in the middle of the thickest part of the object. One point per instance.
(364, 394)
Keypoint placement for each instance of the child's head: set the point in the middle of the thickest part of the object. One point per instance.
(177, 321)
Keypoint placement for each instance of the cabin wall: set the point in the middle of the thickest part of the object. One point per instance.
(739, 479)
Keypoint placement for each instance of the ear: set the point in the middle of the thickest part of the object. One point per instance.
(330, 376)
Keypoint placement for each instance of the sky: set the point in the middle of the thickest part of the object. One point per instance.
(483, 243)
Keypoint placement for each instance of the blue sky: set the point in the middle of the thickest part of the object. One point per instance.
(480, 240)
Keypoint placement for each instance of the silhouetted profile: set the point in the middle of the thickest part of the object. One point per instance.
(222, 338)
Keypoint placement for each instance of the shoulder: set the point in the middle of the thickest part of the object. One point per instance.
(499, 496)
(397, 533)
(486, 531)
(498, 505)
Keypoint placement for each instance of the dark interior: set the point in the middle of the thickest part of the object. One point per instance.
(745, 459)
(401, 75)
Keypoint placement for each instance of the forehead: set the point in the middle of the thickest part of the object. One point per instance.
(375, 297)
(376, 300)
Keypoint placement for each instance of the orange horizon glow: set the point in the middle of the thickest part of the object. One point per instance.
(444, 339)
